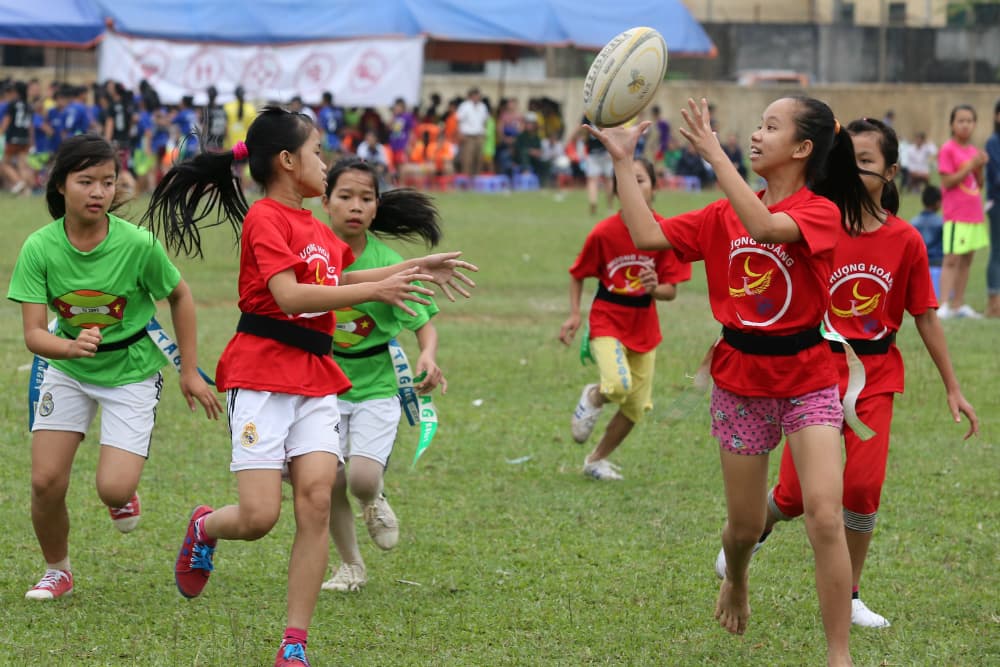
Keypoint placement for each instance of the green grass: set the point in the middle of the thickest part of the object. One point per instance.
(514, 564)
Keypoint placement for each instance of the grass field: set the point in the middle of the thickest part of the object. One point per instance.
(504, 562)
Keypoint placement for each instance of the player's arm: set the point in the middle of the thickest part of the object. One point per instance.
(427, 339)
(193, 386)
(572, 323)
(657, 290)
(39, 341)
(930, 330)
(295, 297)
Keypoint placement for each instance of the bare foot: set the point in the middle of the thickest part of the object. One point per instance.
(733, 606)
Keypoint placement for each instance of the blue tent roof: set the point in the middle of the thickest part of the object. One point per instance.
(558, 22)
(76, 23)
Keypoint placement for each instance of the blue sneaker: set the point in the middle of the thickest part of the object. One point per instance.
(291, 655)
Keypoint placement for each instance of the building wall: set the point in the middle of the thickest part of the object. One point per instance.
(919, 13)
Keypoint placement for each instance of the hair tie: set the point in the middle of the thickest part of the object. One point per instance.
(836, 127)
(240, 151)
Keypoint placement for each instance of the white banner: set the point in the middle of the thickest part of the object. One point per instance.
(365, 72)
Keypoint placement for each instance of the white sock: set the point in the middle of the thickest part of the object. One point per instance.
(59, 565)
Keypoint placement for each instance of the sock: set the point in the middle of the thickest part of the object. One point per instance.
(199, 525)
(295, 636)
(855, 593)
(59, 565)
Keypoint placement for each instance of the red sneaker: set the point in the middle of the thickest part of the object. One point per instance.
(126, 518)
(55, 584)
(291, 655)
(194, 561)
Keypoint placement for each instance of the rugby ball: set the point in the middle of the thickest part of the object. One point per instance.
(624, 77)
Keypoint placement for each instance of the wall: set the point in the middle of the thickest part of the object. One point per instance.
(917, 107)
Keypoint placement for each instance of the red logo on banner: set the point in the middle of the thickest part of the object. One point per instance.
(261, 72)
(315, 72)
(203, 70)
(370, 69)
(151, 66)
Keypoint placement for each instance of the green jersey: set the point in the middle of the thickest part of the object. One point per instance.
(113, 287)
(373, 324)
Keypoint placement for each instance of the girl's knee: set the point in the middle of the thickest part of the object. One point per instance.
(256, 522)
(825, 520)
(115, 495)
(49, 486)
(313, 499)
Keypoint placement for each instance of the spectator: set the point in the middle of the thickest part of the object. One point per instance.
(735, 154)
(528, 149)
(471, 116)
(373, 152)
(930, 224)
(916, 160)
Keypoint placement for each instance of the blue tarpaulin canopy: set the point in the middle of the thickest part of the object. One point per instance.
(473, 24)
(72, 23)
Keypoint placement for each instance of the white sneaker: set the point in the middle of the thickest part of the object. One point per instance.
(382, 523)
(720, 560)
(945, 312)
(585, 416)
(865, 617)
(348, 577)
(965, 310)
(602, 469)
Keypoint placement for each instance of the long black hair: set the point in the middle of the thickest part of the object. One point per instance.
(831, 170)
(403, 213)
(888, 145)
(206, 185)
(77, 153)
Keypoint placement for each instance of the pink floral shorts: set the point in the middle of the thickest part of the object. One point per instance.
(753, 425)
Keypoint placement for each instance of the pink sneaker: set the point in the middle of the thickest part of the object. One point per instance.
(194, 560)
(126, 518)
(291, 655)
(55, 584)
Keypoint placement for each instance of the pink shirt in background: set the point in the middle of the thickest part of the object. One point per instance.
(964, 202)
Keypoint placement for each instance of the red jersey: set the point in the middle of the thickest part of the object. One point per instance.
(277, 238)
(765, 288)
(609, 255)
(876, 276)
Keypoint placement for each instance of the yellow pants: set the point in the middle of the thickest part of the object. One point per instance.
(626, 376)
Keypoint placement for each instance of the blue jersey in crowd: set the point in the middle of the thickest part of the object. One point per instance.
(930, 225)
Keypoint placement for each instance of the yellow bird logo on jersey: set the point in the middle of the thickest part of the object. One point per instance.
(750, 286)
(860, 304)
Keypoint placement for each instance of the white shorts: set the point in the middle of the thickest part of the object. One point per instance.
(598, 164)
(127, 412)
(369, 428)
(269, 429)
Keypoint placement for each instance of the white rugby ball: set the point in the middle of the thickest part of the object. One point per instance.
(624, 77)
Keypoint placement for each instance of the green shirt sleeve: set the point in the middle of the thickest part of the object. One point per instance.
(27, 282)
(159, 276)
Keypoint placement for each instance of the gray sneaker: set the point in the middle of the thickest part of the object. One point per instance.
(602, 470)
(382, 523)
(348, 577)
(585, 416)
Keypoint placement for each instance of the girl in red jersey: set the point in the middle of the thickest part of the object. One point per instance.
(768, 258)
(624, 328)
(877, 276)
(282, 382)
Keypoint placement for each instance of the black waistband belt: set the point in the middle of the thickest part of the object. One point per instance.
(123, 343)
(866, 346)
(772, 346)
(362, 354)
(622, 299)
(285, 332)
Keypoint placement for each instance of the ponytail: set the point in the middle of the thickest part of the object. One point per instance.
(403, 214)
(176, 206)
(407, 214)
(832, 170)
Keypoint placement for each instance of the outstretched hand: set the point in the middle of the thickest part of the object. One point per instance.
(699, 131)
(443, 269)
(620, 141)
(401, 287)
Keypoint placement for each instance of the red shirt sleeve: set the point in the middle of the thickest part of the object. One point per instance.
(818, 219)
(684, 232)
(588, 262)
(267, 237)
